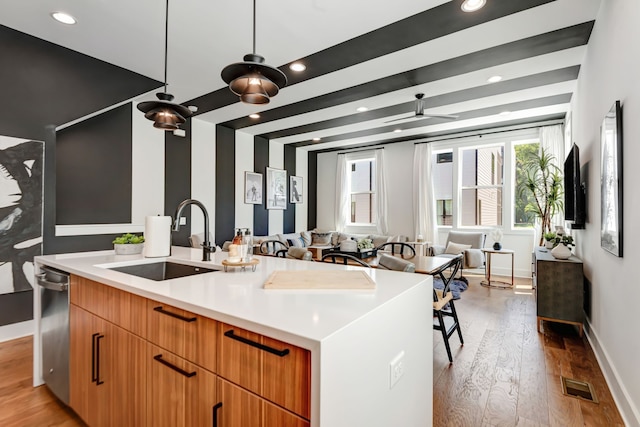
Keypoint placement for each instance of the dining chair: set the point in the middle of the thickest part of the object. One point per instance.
(400, 248)
(343, 258)
(270, 247)
(390, 262)
(445, 317)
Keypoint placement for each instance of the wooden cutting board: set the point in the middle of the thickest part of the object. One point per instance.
(319, 279)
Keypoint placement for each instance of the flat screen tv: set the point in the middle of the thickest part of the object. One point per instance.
(574, 206)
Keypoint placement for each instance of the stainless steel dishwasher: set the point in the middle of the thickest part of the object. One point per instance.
(53, 285)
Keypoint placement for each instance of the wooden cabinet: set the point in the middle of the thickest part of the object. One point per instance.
(107, 372)
(139, 362)
(240, 408)
(277, 371)
(559, 288)
(179, 392)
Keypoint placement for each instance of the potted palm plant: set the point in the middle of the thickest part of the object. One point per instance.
(542, 184)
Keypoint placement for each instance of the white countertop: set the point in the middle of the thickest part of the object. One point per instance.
(302, 317)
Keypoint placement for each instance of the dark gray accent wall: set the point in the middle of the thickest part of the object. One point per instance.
(312, 190)
(177, 180)
(48, 84)
(93, 170)
(225, 183)
(260, 163)
(289, 217)
(16, 307)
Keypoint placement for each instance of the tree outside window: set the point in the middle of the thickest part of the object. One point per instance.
(522, 218)
(361, 175)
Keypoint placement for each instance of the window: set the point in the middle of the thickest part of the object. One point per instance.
(522, 218)
(361, 175)
(443, 187)
(482, 176)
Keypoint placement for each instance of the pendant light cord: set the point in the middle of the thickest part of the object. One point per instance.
(254, 26)
(166, 42)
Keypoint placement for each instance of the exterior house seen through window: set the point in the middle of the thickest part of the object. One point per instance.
(362, 189)
(482, 181)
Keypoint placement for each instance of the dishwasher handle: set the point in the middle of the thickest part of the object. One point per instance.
(60, 287)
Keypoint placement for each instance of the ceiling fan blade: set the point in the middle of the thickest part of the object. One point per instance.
(441, 116)
(401, 118)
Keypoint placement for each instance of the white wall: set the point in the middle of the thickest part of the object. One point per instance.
(610, 72)
(326, 191)
(302, 169)
(203, 173)
(276, 160)
(244, 162)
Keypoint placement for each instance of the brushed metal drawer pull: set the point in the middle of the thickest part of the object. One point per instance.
(174, 367)
(263, 347)
(216, 407)
(177, 316)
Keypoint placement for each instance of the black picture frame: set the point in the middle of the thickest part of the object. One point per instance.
(611, 181)
(253, 188)
(296, 192)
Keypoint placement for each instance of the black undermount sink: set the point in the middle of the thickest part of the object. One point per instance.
(162, 270)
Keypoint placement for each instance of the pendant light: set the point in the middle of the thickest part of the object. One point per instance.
(165, 114)
(252, 80)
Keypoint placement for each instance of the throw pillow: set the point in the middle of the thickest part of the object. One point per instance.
(306, 237)
(322, 239)
(456, 248)
(292, 239)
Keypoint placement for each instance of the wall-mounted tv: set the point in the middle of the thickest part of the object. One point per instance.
(574, 203)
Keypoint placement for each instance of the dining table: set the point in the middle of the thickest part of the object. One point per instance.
(424, 264)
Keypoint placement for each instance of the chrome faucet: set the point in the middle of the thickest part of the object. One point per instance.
(207, 248)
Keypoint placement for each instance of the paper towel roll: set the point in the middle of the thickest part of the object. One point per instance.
(157, 236)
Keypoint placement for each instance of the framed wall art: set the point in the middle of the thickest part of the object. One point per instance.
(276, 188)
(295, 189)
(611, 181)
(253, 188)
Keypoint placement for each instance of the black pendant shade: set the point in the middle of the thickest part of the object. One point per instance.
(252, 80)
(165, 114)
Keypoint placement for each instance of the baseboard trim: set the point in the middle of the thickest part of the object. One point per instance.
(628, 411)
(16, 330)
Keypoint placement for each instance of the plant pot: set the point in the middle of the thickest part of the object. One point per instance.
(561, 252)
(497, 246)
(128, 248)
(548, 244)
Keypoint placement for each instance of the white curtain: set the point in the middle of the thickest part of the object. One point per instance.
(552, 141)
(342, 193)
(381, 194)
(424, 208)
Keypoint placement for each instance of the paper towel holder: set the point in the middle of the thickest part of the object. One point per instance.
(207, 248)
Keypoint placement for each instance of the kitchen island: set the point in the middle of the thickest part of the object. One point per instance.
(370, 350)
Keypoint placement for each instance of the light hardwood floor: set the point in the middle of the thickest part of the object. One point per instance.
(506, 374)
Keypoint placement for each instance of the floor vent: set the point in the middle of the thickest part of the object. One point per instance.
(580, 389)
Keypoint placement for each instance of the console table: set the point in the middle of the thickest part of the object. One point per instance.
(559, 285)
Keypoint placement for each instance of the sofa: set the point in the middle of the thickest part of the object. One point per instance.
(468, 243)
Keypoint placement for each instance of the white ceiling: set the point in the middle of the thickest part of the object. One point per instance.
(205, 36)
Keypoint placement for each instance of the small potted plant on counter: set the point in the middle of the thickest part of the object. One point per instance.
(128, 244)
(550, 240)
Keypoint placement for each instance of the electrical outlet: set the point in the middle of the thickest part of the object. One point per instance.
(396, 369)
(183, 220)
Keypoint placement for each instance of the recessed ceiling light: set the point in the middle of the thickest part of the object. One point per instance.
(397, 130)
(504, 113)
(361, 109)
(494, 79)
(297, 66)
(316, 139)
(254, 116)
(472, 5)
(65, 18)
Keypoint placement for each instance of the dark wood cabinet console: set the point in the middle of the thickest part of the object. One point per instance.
(559, 288)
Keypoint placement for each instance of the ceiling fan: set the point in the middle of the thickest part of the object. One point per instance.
(419, 113)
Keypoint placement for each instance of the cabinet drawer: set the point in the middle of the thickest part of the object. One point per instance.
(278, 371)
(239, 408)
(112, 304)
(188, 335)
(180, 394)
